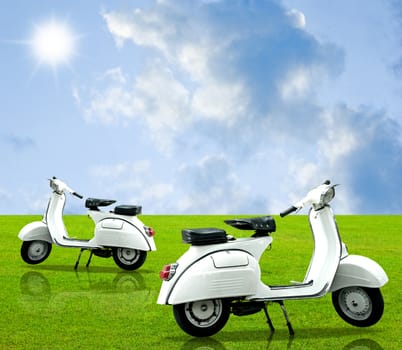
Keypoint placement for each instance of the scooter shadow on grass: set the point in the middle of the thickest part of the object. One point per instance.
(311, 333)
(213, 344)
(36, 285)
(202, 344)
(92, 269)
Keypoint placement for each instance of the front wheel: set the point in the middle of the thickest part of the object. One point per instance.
(129, 259)
(34, 252)
(202, 318)
(359, 306)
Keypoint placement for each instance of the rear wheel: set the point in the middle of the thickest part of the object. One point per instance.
(202, 318)
(34, 252)
(359, 306)
(129, 259)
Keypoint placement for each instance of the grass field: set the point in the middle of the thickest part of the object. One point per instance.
(50, 306)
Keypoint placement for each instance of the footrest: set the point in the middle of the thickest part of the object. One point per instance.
(129, 210)
(203, 236)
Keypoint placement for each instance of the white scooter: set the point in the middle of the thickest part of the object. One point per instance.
(219, 274)
(118, 233)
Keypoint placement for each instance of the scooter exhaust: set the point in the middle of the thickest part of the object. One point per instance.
(247, 308)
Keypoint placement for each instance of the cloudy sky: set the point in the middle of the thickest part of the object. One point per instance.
(203, 106)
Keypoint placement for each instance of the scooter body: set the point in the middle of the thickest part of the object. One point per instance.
(233, 269)
(119, 233)
(227, 275)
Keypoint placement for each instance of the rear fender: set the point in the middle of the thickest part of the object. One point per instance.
(356, 270)
(35, 231)
(223, 274)
(117, 232)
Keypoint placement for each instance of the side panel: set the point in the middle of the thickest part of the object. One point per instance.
(33, 231)
(115, 232)
(356, 270)
(222, 274)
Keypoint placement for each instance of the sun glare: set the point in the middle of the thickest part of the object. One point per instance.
(53, 43)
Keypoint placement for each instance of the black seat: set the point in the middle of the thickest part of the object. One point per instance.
(203, 236)
(94, 203)
(129, 210)
(260, 224)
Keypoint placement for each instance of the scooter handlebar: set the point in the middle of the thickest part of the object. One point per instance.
(77, 195)
(288, 211)
(60, 186)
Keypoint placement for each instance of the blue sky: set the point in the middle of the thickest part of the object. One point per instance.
(202, 106)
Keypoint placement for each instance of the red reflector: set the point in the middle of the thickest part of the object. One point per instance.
(164, 274)
(168, 271)
(150, 231)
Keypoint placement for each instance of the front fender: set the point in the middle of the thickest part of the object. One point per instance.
(224, 274)
(356, 270)
(34, 231)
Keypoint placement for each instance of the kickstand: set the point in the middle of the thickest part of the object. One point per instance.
(271, 326)
(78, 259)
(89, 260)
(285, 313)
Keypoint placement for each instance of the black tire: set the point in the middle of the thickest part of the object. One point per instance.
(34, 252)
(129, 259)
(202, 318)
(359, 306)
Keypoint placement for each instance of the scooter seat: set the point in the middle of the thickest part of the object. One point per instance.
(203, 236)
(259, 224)
(129, 210)
(94, 203)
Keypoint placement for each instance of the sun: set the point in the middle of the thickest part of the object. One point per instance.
(53, 43)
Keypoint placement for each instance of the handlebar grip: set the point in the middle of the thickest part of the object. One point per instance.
(77, 195)
(288, 211)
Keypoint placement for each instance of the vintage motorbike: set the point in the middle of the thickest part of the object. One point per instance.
(119, 233)
(220, 275)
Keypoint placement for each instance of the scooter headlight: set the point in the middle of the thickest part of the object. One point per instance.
(55, 186)
(325, 198)
(328, 195)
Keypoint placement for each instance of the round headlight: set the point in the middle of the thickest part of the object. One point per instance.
(327, 196)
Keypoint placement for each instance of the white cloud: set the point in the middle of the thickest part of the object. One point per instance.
(133, 182)
(116, 75)
(304, 171)
(194, 58)
(142, 27)
(220, 101)
(297, 18)
(155, 97)
(210, 186)
(223, 89)
(339, 138)
(167, 99)
(113, 105)
(296, 84)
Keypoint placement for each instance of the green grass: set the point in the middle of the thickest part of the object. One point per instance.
(50, 306)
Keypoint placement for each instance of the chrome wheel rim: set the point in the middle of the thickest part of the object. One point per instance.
(204, 313)
(37, 250)
(355, 303)
(128, 256)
